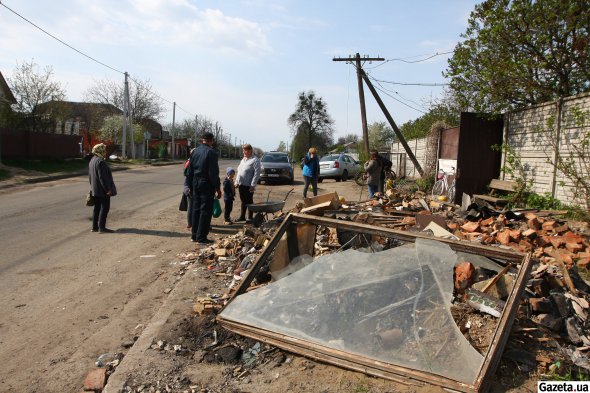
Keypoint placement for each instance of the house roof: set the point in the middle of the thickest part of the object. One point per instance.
(77, 109)
(5, 90)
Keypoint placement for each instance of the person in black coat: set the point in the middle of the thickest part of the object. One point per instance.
(102, 187)
(204, 172)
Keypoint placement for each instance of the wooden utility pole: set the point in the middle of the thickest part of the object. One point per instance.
(357, 59)
(397, 131)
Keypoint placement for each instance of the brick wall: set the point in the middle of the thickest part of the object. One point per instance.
(530, 132)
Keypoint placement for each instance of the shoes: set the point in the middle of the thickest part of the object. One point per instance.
(105, 230)
(248, 221)
(228, 222)
(94, 230)
(241, 219)
(193, 240)
(205, 241)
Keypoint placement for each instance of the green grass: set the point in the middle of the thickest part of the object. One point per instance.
(49, 166)
(4, 174)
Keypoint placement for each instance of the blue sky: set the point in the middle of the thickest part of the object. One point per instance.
(243, 62)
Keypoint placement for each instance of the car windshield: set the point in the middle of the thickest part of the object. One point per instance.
(280, 158)
(330, 158)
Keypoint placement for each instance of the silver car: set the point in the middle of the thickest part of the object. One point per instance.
(338, 166)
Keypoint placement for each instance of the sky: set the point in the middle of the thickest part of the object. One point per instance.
(244, 62)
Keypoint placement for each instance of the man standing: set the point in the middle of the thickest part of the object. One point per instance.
(204, 172)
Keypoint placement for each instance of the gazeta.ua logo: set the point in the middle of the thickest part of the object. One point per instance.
(563, 386)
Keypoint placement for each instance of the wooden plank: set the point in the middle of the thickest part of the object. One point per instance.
(490, 198)
(502, 332)
(316, 200)
(503, 185)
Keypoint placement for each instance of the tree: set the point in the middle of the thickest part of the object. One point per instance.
(112, 130)
(521, 52)
(300, 143)
(348, 138)
(282, 146)
(144, 103)
(380, 135)
(444, 110)
(311, 115)
(32, 86)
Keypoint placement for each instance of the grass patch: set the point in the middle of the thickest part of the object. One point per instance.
(4, 174)
(48, 165)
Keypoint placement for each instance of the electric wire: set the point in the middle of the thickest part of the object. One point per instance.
(403, 59)
(59, 40)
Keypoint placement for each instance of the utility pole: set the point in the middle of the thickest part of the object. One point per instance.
(357, 59)
(196, 129)
(125, 104)
(173, 121)
(229, 146)
(131, 133)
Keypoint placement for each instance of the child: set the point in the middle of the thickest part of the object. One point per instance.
(229, 193)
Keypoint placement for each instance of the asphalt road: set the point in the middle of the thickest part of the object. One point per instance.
(68, 295)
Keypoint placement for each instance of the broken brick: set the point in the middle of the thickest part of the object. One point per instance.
(530, 233)
(470, 226)
(561, 228)
(534, 224)
(515, 234)
(549, 225)
(95, 380)
(556, 241)
(503, 237)
(574, 247)
(487, 221)
(464, 275)
(540, 305)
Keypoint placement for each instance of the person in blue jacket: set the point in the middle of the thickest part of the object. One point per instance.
(311, 171)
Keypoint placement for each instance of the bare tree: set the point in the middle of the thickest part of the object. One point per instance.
(32, 86)
(144, 103)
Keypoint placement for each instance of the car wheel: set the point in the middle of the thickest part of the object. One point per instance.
(344, 176)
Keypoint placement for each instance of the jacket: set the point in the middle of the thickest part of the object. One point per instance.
(229, 192)
(373, 168)
(204, 165)
(101, 178)
(311, 166)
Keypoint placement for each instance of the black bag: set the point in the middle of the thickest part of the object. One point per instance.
(89, 199)
(183, 203)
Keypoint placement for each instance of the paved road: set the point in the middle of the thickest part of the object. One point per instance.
(68, 295)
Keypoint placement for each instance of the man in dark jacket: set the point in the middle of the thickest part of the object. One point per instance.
(204, 172)
(102, 186)
(386, 165)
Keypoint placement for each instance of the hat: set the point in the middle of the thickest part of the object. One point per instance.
(207, 136)
(230, 170)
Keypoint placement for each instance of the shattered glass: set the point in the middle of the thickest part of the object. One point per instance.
(392, 306)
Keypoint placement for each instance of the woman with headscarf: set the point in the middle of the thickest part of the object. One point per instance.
(102, 187)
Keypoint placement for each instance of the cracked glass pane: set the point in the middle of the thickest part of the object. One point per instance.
(392, 306)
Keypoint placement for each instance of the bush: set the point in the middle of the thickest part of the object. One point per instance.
(425, 183)
(543, 202)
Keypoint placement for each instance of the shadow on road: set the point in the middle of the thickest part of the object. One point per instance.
(153, 232)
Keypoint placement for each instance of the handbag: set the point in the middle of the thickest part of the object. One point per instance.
(183, 203)
(89, 199)
(216, 208)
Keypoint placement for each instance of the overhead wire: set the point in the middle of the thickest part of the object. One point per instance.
(403, 59)
(59, 40)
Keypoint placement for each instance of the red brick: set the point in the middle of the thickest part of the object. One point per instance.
(561, 228)
(549, 225)
(526, 245)
(487, 221)
(470, 226)
(583, 262)
(534, 224)
(574, 247)
(464, 275)
(530, 216)
(530, 233)
(543, 240)
(95, 380)
(515, 234)
(571, 237)
(503, 237)
(452, 226)
(556, 241)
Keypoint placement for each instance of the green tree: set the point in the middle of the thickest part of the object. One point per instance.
(300, 143)
(311, 116)
(521, 52)
(444, 110)
(282, 146)
(380, 135)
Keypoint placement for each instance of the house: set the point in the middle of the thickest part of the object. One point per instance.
(6, 96)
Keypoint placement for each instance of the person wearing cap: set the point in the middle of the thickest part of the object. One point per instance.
(247, 179)
(102, 186)
(203, 171)
(229, 194)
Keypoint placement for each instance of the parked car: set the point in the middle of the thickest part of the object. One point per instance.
(276, 166)
(338, 166)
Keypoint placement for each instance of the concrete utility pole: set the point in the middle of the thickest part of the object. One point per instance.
(125, 104)
(173, 121)
(357, 59)
(131, 133)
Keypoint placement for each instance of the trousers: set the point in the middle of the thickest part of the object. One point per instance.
(102, 205)
(203, 194)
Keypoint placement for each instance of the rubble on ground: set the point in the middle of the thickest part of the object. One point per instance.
(551, 325)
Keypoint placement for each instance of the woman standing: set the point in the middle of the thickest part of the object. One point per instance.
(247, 179)
(373, 169)
(102, 186)
(311, 171)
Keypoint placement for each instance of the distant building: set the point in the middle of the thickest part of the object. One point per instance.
(6, 96)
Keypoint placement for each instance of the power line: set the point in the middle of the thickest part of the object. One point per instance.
(400, 101)
(403, 59)
(395, 92)
(61, 41)
(412, 84)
